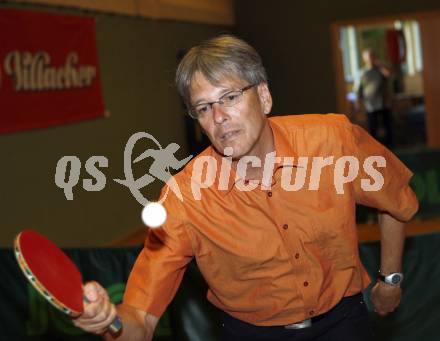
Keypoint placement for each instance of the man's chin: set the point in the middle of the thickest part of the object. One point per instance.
(229, 151)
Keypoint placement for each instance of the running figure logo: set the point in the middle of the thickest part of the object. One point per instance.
(163, 160)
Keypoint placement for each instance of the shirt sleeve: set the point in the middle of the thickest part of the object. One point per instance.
(395, 196)
(159, 268)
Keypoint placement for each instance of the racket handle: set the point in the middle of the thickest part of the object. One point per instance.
(115, 326)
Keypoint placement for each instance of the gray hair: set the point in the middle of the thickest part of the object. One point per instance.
(217, 58)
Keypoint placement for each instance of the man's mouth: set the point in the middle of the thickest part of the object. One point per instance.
(229, 135)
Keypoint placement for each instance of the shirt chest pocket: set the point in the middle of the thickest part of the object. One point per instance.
(335, 245)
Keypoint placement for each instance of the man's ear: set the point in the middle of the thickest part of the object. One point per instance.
(265, 97)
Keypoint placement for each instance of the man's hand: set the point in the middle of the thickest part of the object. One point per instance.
(385, 298)
(99, 313)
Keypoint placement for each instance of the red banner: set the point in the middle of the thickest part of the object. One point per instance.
(49, 70)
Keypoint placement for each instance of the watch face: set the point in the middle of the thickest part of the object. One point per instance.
(396, 279)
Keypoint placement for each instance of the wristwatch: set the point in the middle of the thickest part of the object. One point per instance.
(394, 278)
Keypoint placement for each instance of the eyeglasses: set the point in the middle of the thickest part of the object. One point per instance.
(229, 99)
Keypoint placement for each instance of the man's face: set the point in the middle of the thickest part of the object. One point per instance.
(240, 126)
(368, 57)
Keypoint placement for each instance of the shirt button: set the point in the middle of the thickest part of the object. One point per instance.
(306, 283)
(311, 312)
(285, 226)
(269, 194)
(296, 255)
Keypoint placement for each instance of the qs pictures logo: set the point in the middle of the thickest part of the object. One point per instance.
(68, 169)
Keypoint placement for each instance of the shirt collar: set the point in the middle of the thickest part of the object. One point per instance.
(283, 145)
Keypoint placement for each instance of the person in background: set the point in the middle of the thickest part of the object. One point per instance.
(374, 96)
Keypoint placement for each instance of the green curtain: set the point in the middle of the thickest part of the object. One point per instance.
(25, 316)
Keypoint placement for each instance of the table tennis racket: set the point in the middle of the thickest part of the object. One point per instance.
(53, 274)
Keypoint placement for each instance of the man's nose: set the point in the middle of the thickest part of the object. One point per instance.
(219, 113)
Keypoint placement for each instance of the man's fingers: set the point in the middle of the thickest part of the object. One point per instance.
(101, 309)
(384, 312)
(100, 289)
(93, 308)
(91, 291)
(97, 321)
(385, 298)
(384, 309)
(102, 326)
(99, 312)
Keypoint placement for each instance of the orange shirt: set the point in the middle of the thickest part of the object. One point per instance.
(272, 256)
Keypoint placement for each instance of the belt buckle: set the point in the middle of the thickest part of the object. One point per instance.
(300, 325)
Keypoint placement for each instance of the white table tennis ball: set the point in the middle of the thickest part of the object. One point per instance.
(154, 214)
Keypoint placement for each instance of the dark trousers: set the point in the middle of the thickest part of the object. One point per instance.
(387, 120)
(347, 321)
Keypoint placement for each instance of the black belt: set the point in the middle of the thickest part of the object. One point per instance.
(300, 324)
(308, 323)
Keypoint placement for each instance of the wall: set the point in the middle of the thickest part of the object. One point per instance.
(294, 40)
(138, 60)
(137, 64)
(211, 12)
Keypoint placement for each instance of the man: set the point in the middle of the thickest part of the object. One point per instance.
(280, 260)
(373, 93)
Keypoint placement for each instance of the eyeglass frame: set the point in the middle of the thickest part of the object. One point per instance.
(219, 101)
